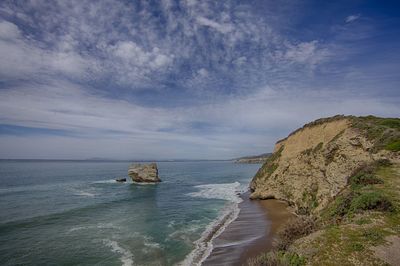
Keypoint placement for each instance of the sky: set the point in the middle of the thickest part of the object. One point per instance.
(187, 79)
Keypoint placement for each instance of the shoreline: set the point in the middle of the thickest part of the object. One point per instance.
(250, 234)
(277, 213)
(204, 245)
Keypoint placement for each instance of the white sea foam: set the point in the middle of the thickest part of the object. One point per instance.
(184, 233)
(126, 256)
(144, 183)
(171, 223)
(227, 191)
(89, 192)
(128, 181)
(84, 193)
(150, 245)
(238, 243)
(109, 181)
(204, 245)
(97, 226)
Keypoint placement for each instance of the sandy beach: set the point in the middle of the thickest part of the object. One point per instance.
(250, 234)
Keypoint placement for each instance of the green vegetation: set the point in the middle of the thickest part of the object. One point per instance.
(270, 164)
(330, 155)
(307, 152)
(279, 258)
(341, 206)
(309, 201)
(365, 175)
(317, 122)
(361, 217)
(310, 151)
(363, 221)
(363, 179)
(371, 201)
(390, 122)
(361, 194)
(337, 136)
(383, 132)
(374, 236)
(294, 229)
(393, 146)
(318, 147)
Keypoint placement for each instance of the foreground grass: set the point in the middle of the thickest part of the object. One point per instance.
(346, 233)
(349, 236)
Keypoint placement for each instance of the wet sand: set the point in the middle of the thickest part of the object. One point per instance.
(251, 234)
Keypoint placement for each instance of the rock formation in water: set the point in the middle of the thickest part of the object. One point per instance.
(144, 173)
(312, 165)
(121, 180)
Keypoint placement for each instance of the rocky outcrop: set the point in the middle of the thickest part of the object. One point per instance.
(313, 164)
(144, 173)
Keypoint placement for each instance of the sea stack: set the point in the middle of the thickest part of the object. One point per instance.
(144, 173)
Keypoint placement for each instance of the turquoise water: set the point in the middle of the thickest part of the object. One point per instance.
(74, 213)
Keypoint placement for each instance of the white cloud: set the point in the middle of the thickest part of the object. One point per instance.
(23, 57)
(308, 53)
(121, 129)
(223, 28)
(50, 69)
(8, 30)
(137, 50)
(352, 18)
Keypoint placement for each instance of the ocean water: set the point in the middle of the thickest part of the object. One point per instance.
(74, 213)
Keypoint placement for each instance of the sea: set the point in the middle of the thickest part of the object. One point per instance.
(75, 213)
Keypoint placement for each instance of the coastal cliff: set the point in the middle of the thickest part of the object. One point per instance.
(341, 175)
(313, 164)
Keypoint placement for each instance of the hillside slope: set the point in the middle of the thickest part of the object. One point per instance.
(313, 164)
(342, 176)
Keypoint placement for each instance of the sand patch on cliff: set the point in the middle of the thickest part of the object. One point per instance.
(389, 252)
(310, 137)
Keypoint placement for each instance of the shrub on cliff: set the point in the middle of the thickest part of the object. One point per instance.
(371, 201)
(294, 229)
(383, 132)
(364, 177)
(277, 258)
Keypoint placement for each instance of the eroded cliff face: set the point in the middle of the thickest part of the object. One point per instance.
(312, 165)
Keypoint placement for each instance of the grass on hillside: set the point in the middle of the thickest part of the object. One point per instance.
(383, 132)
(270, 165)
(366, 212)
(359, 219)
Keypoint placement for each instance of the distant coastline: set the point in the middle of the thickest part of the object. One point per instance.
(262, 158)
(115, 160)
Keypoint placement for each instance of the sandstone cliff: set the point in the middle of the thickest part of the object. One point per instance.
(312, 165)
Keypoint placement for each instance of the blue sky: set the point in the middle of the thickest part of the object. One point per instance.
(187, 79)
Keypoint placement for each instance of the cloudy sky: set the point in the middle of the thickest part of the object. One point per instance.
(187, 79)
